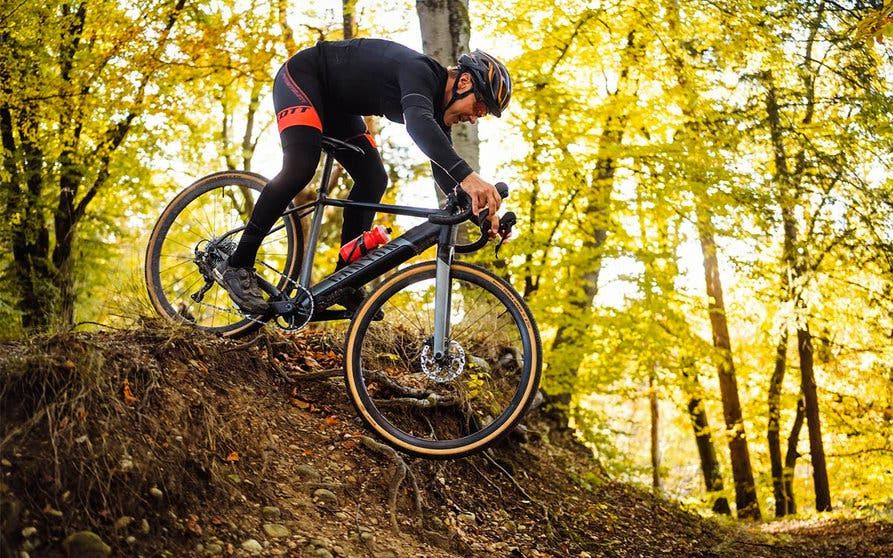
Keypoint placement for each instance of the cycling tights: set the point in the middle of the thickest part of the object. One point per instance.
(302, 120)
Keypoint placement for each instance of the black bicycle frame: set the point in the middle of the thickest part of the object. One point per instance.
(379, 261)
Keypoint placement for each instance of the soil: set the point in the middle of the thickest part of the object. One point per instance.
(164, 442)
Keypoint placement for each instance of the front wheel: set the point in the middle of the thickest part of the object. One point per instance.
(458, 405)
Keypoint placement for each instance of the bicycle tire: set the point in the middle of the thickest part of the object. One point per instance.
(195, 215)
(403, 428)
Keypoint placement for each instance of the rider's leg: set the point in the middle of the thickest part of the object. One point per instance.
(366, 169)
(370, 180)
(299, 116)
(300, 158)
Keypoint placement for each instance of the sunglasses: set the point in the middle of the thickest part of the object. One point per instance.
(480, 107)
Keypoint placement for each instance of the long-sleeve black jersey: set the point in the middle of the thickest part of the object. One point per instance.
(380, 77)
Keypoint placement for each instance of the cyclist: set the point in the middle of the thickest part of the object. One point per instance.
(327, 89)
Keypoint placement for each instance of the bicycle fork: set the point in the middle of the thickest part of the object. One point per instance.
(442, 291)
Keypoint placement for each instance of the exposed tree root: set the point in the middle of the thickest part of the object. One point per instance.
(318, 375)
(547, 514)
(399, 471)
(433, 400)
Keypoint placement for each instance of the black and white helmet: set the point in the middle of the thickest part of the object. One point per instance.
(491, 79)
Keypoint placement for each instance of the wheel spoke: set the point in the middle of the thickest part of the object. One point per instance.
(178, 264)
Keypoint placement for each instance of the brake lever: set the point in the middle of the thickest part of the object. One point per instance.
(506, 222)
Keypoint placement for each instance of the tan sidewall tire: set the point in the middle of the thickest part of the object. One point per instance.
(506, 426)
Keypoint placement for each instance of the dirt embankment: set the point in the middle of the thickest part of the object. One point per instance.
(162, 442)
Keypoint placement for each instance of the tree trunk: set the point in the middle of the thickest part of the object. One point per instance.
(44, 278)
(813, 423)
(790, 459)
(788, 181)
(704, 441)
(446, 28)
(32, 269)
(348, 19)
(31, 272)
(745, 490)
(567, 353)
(784, 500)
(286, 32)
(655, 440)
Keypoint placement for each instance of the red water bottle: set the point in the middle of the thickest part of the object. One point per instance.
(365, 243)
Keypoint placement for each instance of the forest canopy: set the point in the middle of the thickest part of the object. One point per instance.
(703, 191)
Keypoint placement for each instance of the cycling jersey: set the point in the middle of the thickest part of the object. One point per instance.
(327, 89)
(372, 77)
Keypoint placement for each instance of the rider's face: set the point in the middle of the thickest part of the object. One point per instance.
(466, 109)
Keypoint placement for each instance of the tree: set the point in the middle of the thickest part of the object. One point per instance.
(77, 78)
(746, 501)
(710, 468)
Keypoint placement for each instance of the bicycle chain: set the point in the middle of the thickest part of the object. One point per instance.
(231, 311)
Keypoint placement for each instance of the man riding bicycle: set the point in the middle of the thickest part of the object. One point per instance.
(327, 89)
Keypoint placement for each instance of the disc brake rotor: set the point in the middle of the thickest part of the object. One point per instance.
(450, 366)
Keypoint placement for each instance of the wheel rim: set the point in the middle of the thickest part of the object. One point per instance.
(199, 225)
(441, 409)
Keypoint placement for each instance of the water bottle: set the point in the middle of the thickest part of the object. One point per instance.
(365, 243)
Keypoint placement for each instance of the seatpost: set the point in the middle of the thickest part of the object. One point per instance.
(307, 267)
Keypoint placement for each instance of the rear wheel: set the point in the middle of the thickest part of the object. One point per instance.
(463, 403)
(188, 241)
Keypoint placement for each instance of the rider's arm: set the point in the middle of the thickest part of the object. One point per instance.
(434, 143)
(482, 193)
(418, 85)
(444, 181)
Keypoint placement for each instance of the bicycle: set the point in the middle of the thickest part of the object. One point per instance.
(451, 368)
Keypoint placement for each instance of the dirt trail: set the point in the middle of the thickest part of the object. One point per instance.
(161, 442)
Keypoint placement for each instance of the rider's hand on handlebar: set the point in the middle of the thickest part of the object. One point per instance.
(483, 196)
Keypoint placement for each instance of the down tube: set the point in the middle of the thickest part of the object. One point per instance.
(379, 261)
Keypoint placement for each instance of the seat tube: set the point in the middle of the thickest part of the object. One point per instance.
(313, 240)
(442, 291)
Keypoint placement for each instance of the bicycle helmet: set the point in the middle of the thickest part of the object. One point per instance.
(491, 79)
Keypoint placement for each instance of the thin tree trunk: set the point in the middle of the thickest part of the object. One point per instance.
(32, 268)
(349, 19)
(791, 455)
(813, 422)
(784, 501)
(567, 353)
(796, 266)
(704, 440)
(248, 141)
(745, 489)
(655, 439)
(286, 32)
(788, 181)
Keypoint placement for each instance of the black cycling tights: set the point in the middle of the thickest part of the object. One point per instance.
(300, 157)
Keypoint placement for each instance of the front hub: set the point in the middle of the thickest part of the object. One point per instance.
(446, 368)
